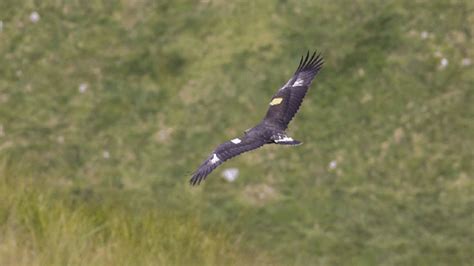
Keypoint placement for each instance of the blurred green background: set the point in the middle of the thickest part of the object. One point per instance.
(106, 107)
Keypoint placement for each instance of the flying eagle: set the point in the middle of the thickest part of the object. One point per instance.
(283, 106)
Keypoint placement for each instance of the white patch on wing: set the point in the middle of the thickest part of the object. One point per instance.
(214, 158)
(284, 139)
(298, 82)
(236, 141)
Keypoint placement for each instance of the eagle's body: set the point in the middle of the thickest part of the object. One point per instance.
(283, 106)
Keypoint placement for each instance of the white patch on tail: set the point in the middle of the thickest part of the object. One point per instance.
(214, 158)
(284, 139)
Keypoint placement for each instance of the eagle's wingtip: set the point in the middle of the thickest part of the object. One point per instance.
(313, 61)
(194, 180)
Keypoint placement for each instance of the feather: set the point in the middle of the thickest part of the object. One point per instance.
(224, 152)
(294, 91)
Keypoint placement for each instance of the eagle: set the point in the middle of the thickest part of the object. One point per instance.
(283, 107)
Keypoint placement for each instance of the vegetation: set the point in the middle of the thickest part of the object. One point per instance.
(106, 107)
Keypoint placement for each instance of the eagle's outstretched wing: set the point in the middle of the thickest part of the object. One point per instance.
(224, 152)
(286, 102)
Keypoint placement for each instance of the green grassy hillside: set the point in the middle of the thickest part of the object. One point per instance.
(106, 107)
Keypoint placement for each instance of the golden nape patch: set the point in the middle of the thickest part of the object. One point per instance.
(276, 101)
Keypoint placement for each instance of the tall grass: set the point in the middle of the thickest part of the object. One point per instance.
(41, 226)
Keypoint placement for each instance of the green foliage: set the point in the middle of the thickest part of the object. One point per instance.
(106, 107)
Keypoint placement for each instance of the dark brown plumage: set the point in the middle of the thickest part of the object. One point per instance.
(283, 107)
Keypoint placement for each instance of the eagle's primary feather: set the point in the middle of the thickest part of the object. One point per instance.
(283, 107)
(293, 92)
